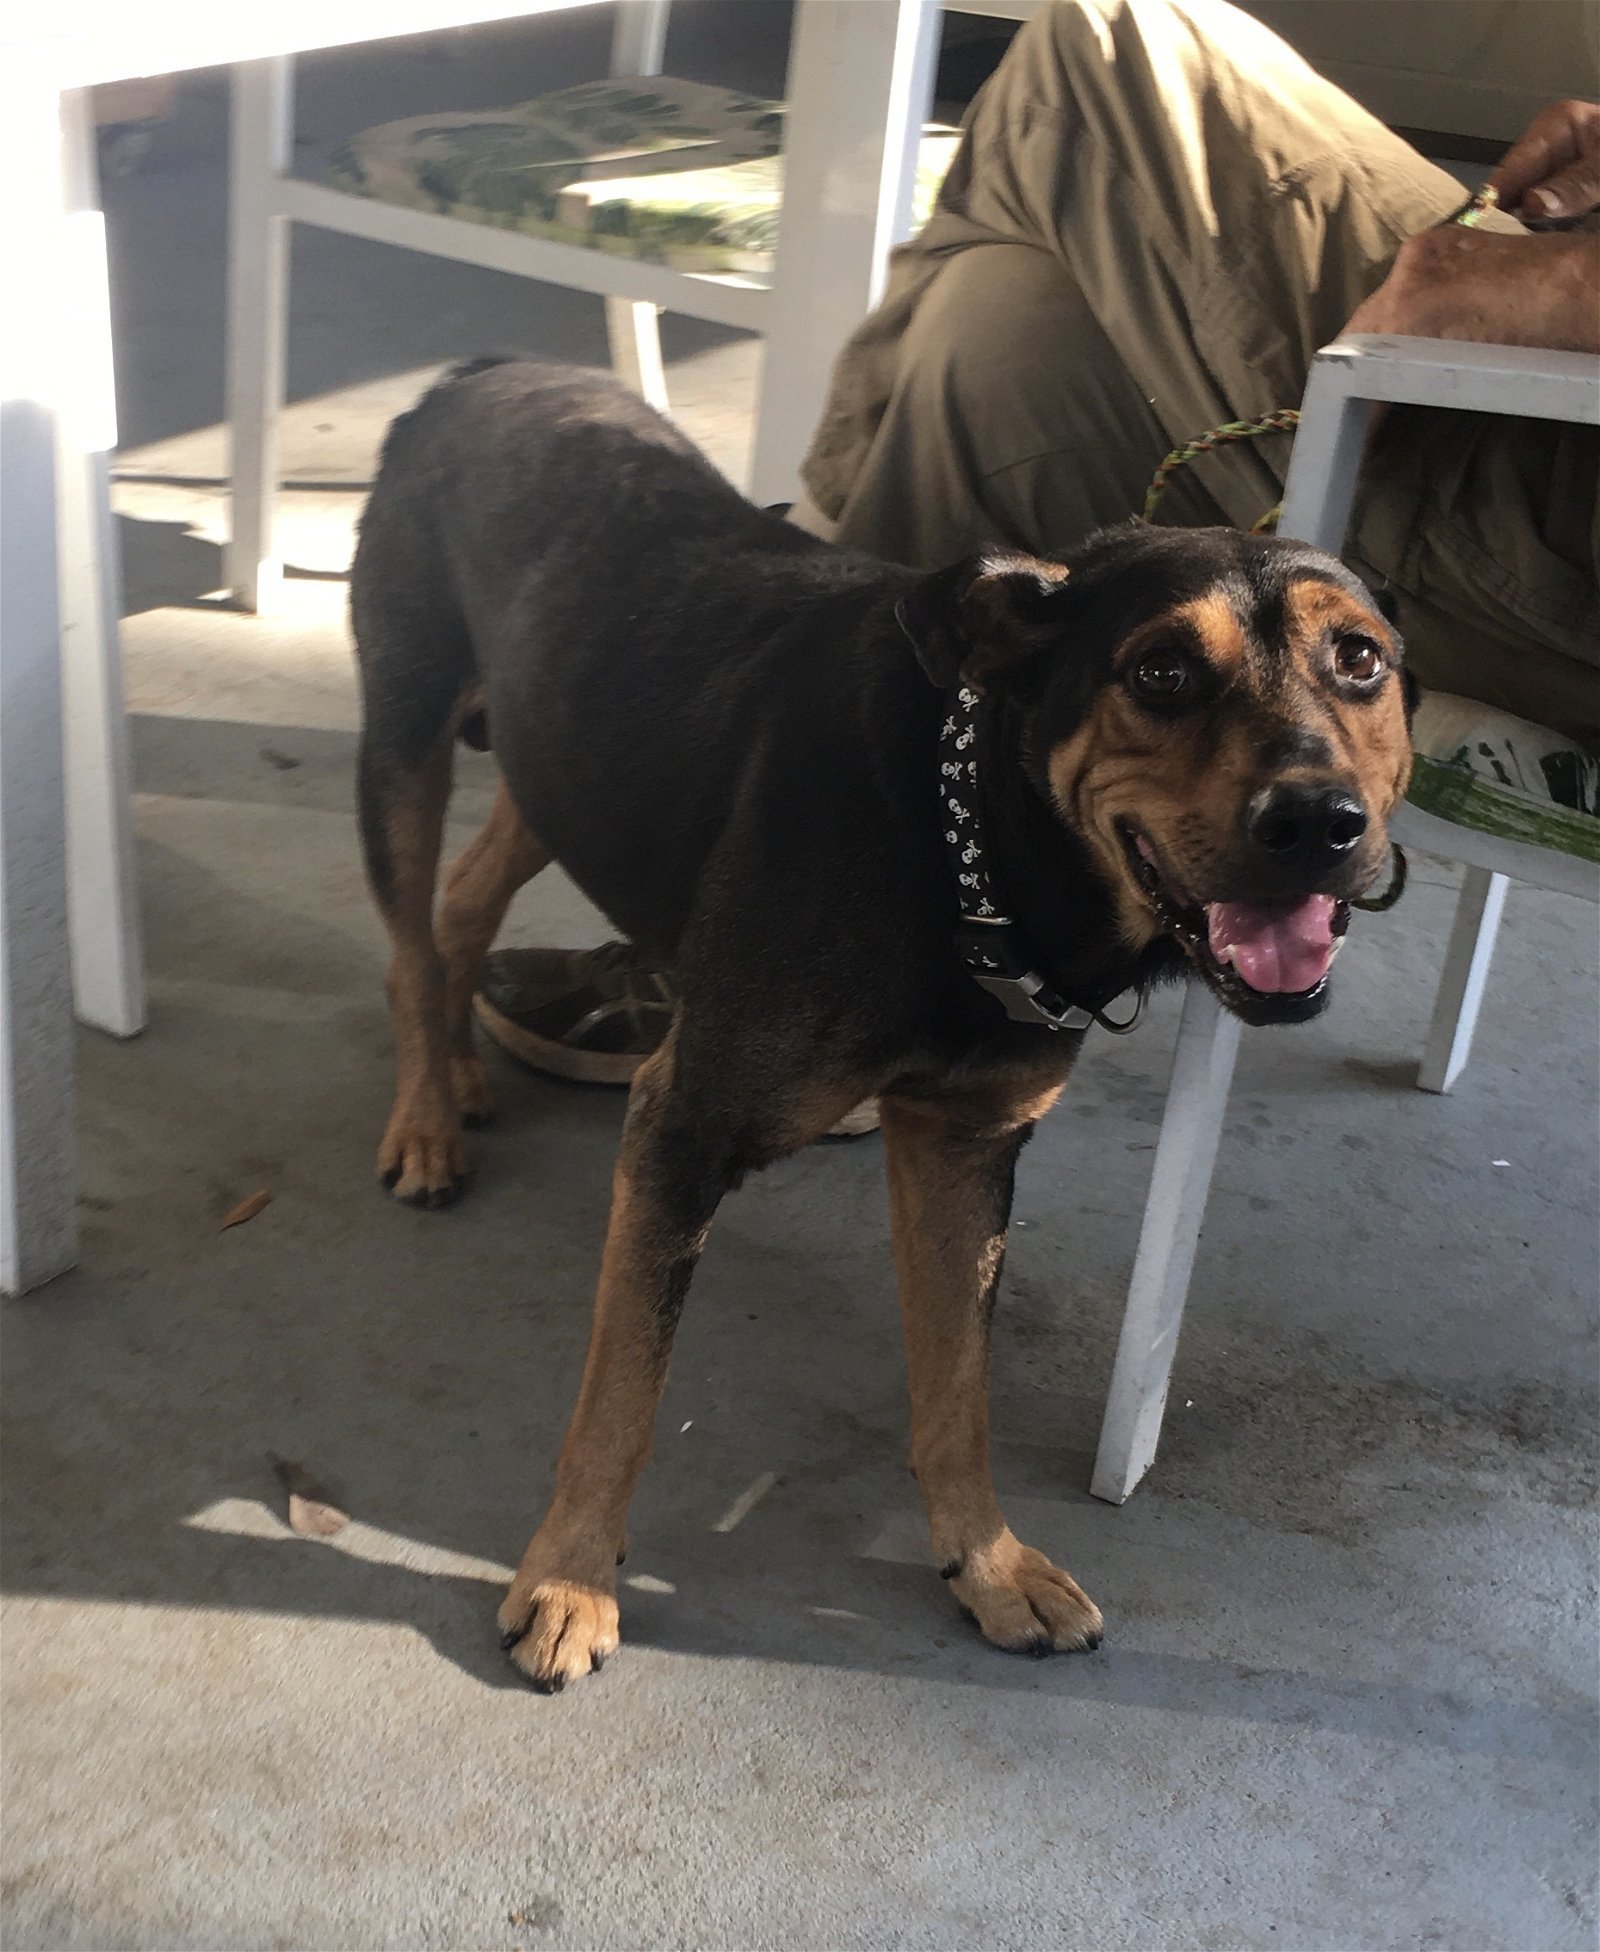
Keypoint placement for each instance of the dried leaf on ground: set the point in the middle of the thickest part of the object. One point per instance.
(312, 1512)
(246, 1210)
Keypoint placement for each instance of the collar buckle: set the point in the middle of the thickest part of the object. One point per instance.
(988, 954)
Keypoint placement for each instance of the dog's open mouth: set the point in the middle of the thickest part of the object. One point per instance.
(1268, 961)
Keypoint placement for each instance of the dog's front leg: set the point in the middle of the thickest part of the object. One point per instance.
(559, 1618)
(950, 1177)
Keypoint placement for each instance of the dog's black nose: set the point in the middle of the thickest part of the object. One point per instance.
(1307, 826)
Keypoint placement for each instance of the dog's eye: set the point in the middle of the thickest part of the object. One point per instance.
(1358, 659)
(1162, 674)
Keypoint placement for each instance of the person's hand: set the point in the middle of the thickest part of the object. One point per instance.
(1553, 170)
(1485, 285)
(1499, 289)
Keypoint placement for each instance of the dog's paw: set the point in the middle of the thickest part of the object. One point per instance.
(1023, 1603)
(474, 1095)
(423, 1161)
(557, 1630)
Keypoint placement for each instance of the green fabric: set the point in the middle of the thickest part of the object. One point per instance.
(675, 172)
(1505, 776)
(714, 219)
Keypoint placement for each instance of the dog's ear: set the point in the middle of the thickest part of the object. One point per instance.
(976, 619)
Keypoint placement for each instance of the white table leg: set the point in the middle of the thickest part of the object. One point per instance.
(1466, 971)
(639, 36)
(633, 331)
(859, 78)
(633, 328)
(102, 897)
(38, 1162)
(1202, 1066)
(258, 299)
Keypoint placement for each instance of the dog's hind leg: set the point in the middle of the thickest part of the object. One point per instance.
(950, 1170)
(422, 1157)
(501, 857)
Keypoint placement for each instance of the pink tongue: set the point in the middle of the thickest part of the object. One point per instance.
(1276, 949)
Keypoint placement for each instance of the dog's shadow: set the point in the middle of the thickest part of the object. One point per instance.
(409, 1357)
(770, 1601)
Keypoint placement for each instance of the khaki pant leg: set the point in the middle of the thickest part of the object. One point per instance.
(1487, 530)
(1217, 211)
(1220, 207)
(1011, 420)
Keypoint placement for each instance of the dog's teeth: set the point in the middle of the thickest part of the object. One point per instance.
(1338, 944)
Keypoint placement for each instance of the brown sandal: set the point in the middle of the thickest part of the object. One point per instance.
(593, 1015)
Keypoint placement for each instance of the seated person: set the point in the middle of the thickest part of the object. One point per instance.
(1157, 214)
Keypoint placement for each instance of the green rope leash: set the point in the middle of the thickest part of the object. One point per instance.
(1223, 436)
(1286, 418)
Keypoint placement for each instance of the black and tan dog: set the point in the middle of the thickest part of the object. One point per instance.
(729, 735)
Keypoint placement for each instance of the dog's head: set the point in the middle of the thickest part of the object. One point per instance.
(1222, 719)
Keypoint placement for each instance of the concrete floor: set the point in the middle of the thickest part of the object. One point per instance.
(1347, 1696)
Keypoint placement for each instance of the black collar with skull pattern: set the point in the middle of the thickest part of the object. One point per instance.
(988, 940)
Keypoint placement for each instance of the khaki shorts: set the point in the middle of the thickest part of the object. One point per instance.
(1157, 214)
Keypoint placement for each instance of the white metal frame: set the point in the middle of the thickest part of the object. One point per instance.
(633, 325)
(1348, 380)
(859, 81)
(67, 895)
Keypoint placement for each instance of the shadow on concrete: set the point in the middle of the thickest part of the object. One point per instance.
(424, 1365)
(766, 1596)
(165, 564)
